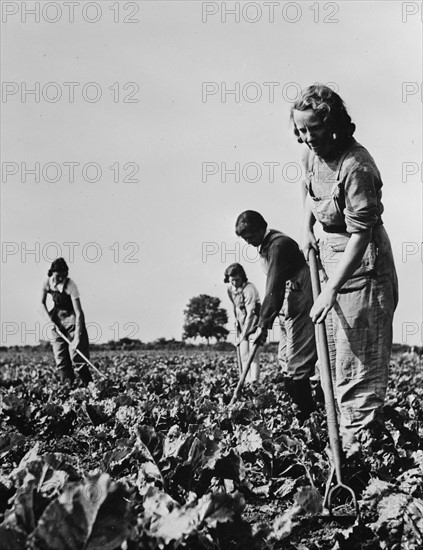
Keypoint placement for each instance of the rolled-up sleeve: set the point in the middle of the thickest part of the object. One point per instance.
(362, 186)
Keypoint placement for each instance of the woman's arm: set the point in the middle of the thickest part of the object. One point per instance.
(362, 184)
(236, 324)
(348, 263)
(79, 319)
(249, 322)
(44, 308)
(251, 298)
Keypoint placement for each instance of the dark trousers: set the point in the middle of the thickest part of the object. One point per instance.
(66, 356)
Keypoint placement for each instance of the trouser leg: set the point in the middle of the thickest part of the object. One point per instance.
(282, 358)
(301, 345)
(255, 366)
(254, 371)
(300, 339)
(79, 363)
(62, 358)
(282, 361)
(317, 377)
(363, 333)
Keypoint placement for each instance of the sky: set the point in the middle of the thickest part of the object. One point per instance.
(134, 133)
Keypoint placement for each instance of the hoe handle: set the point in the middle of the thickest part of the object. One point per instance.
(326, 374)
(244, 375)
(66, 339)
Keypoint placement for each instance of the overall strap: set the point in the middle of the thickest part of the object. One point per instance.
(62, 301)
(65, 284)
(311, 173)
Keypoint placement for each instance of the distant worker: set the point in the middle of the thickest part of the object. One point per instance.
(68, 316)
(246, 303)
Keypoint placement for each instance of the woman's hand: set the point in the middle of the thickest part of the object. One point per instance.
(308, 241)
(324, 303)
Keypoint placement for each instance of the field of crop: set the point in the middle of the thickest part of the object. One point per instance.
(153, 458)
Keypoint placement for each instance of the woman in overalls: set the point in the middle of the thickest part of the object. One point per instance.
(343, 193)
(246, 303)
(68, 316)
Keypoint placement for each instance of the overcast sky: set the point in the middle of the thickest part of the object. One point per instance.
(151, 125)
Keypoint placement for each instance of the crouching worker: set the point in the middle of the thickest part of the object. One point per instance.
(288, 286)
(246, 303)
(68, 316)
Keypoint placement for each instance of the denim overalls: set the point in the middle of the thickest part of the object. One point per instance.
(360, 323)
(63, 315)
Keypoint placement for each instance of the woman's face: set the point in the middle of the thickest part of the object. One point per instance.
(59, 277)
(313, 131)
(236, 281)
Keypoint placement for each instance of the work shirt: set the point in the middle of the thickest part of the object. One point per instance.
(351, 178)
(281, 259)
(246, 301)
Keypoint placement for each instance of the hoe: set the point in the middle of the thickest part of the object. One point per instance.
(331, 414)
(244, 372)
(66, 339)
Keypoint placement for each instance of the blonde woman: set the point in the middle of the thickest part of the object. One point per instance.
(343, 194)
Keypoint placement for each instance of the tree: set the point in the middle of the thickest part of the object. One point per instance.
(204, 318)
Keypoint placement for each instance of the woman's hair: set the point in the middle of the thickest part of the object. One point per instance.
(328, 106)
(233, 271)
(58, 266)
(250, 220)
